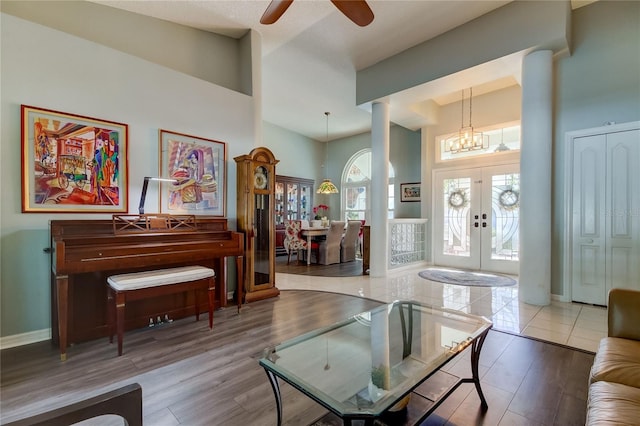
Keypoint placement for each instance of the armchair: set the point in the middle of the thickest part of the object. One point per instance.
(350, 241)
(329, 249)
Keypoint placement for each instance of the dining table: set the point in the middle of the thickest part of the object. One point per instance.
(311, 232)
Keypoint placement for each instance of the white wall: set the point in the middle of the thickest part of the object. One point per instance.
(51, 69)
(598, 83)
(299, 155)
(181, 48)
(404, 156)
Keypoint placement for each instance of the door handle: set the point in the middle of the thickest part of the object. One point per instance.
(484, 215)
(484, 224)
(475, 224)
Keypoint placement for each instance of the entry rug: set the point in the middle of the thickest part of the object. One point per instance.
(464, 277)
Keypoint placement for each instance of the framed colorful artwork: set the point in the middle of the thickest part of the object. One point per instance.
(409, 192)
(196, 172)
(72, 163)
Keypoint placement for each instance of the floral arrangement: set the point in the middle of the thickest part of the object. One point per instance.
(320, 211)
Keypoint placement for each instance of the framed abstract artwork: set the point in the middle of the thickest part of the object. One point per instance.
(194, 175)
(409, 192)
(72, 163)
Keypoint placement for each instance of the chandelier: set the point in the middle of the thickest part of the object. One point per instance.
(327, 187)
(467, 139)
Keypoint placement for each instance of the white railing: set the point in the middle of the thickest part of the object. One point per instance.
(407, 242)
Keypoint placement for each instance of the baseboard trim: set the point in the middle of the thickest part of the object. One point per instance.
(560, 298)
(7, 342)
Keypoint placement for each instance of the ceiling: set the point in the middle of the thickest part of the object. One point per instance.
(311, 55)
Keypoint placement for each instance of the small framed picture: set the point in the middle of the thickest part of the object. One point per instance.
(72, 163)
(409, 192)
(196, 170)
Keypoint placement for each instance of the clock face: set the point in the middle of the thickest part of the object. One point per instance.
(260, 178)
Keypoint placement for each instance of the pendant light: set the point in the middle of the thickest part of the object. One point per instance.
(502, 147)
(467, 139)
(327, 187)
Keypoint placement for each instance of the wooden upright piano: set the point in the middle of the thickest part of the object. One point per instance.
(85, 252)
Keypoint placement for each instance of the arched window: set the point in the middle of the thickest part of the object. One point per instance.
(356, 187)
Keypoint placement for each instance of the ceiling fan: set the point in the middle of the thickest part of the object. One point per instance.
(356, 10)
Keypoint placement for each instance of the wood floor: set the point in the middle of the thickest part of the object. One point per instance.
(193, 376)
(347, 269)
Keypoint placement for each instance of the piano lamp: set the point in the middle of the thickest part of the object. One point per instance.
(143, 195)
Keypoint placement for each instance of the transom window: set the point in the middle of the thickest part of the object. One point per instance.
(501, 139)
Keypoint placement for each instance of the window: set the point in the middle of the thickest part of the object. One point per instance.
(502, 138)
(356, 187)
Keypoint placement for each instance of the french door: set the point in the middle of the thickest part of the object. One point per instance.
(477, 218)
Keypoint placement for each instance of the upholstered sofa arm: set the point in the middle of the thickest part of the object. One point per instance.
(624, 313)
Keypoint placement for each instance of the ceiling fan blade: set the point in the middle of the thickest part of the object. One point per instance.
(356, 10)
(274, 11)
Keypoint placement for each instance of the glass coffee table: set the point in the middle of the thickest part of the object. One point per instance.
(368, 365)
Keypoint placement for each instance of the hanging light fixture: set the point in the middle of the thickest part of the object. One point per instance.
(467, 139)
(327, 187)
(502, 147)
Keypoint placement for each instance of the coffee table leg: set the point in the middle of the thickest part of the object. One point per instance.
(475, 357)
(276, 391)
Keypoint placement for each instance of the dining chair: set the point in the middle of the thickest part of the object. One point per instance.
(361, 235)
(293, 240)
(349, 243)
(329, 248)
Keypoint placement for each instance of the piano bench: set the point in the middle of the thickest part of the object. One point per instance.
(147, 284)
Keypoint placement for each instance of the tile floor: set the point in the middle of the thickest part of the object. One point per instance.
(572, 324)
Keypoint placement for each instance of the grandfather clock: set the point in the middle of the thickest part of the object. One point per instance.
(256, 219)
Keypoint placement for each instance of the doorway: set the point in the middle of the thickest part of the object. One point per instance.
(476, 218)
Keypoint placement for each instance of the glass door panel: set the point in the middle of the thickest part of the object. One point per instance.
(505, 202)
(279, 204)
(292, 201)
(456, 208)
(305, 197)
(500, 234)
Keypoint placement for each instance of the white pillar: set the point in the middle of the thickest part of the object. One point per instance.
(426, 150)
(535, 178)
(378, 257)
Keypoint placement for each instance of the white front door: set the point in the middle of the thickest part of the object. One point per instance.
(605, 210)
(476, 218)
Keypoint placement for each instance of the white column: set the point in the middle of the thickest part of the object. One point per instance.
(378, 258)
(426, 151)
(535, 178)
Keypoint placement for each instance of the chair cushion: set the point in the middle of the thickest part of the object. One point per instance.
(613, 404)
(617, 360)
(158, 277)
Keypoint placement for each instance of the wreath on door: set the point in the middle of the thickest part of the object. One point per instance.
(509, 199)
(458, 199)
